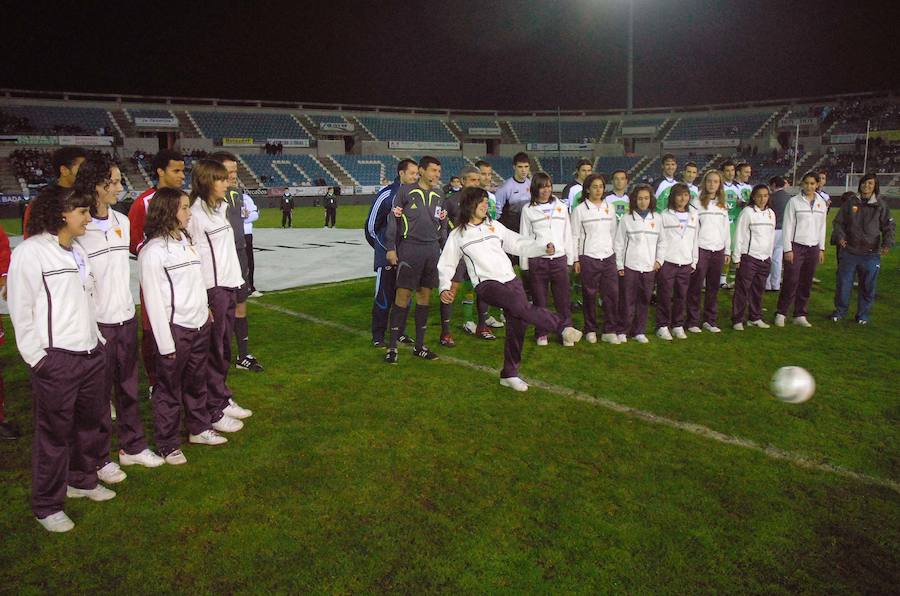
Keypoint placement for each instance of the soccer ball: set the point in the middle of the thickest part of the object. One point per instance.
(793, 384)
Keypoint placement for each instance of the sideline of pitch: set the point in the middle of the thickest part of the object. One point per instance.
(792, 457)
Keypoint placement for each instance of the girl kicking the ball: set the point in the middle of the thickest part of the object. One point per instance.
(482, 243)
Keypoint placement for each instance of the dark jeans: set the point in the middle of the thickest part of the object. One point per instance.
(330, 216)
(797, 284)
(709, 266)
(749, 285)
(286, 221)
(867, 266)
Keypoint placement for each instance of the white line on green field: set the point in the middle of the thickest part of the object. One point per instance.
(792, 457)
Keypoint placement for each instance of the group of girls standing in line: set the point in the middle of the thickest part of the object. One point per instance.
(74, 316)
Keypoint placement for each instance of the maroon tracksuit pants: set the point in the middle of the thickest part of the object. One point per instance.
(671, 294)
(182, 382)
(148, 345)
(554, 273)
(633, 309)
(797, 283)
(599, 276)
(68, 406)
(749, 285)
(121, 384)
(222, 302)
(510, 296)
(709, 268)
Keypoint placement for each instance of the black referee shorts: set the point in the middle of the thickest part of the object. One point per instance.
(417, 265)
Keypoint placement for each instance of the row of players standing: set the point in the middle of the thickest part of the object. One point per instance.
(677, 238)
(76, 328)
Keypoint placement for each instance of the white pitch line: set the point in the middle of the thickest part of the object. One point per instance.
(792, 457)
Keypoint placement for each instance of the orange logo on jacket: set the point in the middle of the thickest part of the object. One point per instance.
(854, 208)
(492, 229)
(652, 224)
(119, 232)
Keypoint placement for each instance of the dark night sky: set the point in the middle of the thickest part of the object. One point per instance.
(495, 54)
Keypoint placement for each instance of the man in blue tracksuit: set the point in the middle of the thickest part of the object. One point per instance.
(385, 273)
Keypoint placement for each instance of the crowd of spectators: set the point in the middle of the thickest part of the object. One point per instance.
(34, 166)
(274, 148)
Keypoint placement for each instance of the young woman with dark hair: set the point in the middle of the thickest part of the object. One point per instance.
(636, 240)
(175, 299)
(482, 244)
(546, 220)
(52, 310)
(594, 229)
(754, 239)
(803, 232)
(214, 240)
(677, 254)
(106, 244)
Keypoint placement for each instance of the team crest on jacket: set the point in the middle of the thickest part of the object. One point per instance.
(492, 229)
(652, 225)
(119, 232)
(558, 209)
(855, 208)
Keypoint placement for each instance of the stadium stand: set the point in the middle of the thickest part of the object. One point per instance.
(549, 131)
(408, 129)
(287, 169)
(147, 113)
(258, 126)
(368, 170)
(59, 120)
(320, 119)
(466, 123)
(723, 126)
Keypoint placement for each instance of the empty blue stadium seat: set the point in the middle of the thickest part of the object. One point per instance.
(722, 126)
(287, 169)
(369, 170)
(405, 129)
(49, 119)
(258, 126)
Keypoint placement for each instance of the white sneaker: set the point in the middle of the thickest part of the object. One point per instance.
(663, 333)
(514, 383)
(470, 327)
(236, 411)
(679, 332)
(695, 329)
(641, 339)
(591, 337)
(492, 322)
(571, 336)
(111, 473)
(779, 320)
(176, 458)
(98, 493)
(256, 294)
(56, 522)
(801, 321)
(759, 323)
(623, 339)
(738, 326)
(610, 338)
(145, 458)
(711, 328)
(227, 424)
(542, 340)
(208, 437)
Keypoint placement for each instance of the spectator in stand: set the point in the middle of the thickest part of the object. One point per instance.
(66, 162)
(454, 185)
(777, 201)
(864, 231)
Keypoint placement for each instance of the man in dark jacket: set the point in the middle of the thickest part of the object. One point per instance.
(287, 210)
(863, 232)
(385, 273)
(778, 200)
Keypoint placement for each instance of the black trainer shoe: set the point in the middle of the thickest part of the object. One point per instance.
(376, 343)
(405, 339)
(390, 357)
(250, 363)
(425, 354)
(9, 431)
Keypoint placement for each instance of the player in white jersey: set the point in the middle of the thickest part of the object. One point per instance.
(618, 198)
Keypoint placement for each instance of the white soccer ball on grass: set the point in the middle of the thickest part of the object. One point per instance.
(793, 384)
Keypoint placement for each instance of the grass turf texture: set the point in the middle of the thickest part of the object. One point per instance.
(357, 476)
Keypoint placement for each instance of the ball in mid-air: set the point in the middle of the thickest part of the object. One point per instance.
(793, 384)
